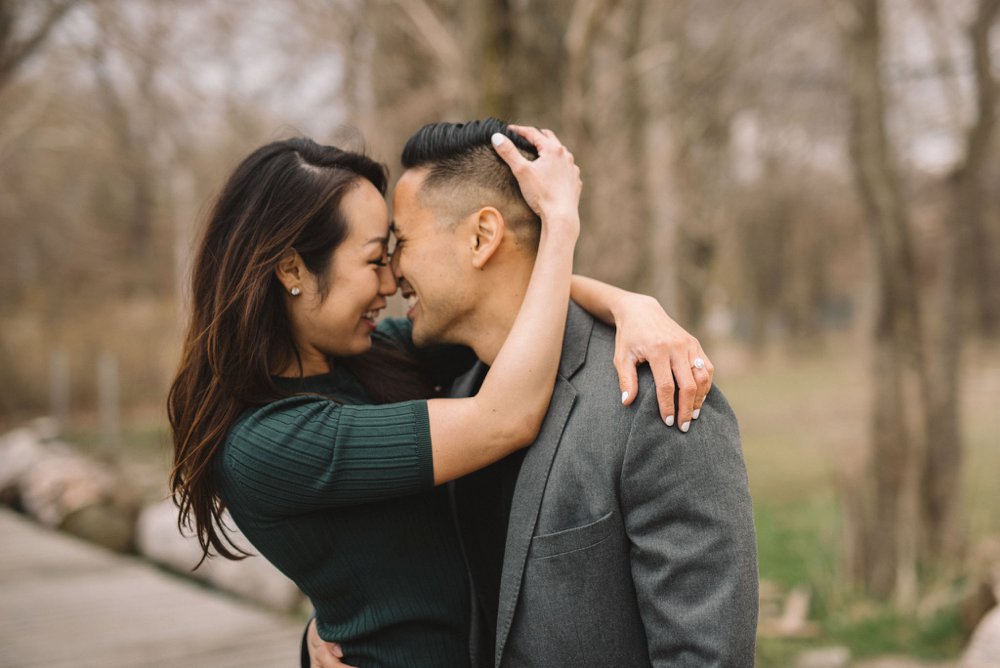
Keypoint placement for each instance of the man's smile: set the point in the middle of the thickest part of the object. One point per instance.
(410, 295)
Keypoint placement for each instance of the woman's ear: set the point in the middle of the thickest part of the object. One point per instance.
(291, 271)
(487, 234)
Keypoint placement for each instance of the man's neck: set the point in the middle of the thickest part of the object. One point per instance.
(492, 320)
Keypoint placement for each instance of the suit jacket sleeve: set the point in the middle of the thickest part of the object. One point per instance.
(687, 512)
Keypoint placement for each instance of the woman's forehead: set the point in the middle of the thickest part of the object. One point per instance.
(366, 212)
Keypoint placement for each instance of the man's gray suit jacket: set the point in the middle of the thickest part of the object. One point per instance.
(628, 543)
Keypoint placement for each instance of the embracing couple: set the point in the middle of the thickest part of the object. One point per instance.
(497, 479)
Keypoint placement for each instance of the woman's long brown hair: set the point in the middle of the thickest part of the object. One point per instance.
(283, 196)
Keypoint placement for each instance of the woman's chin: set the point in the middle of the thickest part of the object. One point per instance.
(357, 346)
(362, 344)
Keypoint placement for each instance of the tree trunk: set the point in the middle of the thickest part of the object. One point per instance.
(980, 278)
(651, 68)
(962, 238)
(892, 536)
(701, 116)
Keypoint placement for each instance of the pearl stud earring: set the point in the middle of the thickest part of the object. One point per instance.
(296, 291)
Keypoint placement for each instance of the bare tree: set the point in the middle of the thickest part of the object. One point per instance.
(963, 245)
(912, 517)
(888, 548)
(584, 22)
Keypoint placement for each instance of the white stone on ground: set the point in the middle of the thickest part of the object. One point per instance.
(158, 539)
(984, 646)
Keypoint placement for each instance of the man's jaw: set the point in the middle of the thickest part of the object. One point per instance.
(422, 337)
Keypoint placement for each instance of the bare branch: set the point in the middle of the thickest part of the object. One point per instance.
(433, 31)
(587, 15)
(934, 23)
(981, 133)
(13, 55)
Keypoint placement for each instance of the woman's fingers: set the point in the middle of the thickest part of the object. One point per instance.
(506, 149)
(532, 134)
(543, 140)
(687, 389)
(703, 373)
(550, 134)
(328, 659)
(323, 654)
(549, 184)
(663, 381)
(682, 374)
(628, 378)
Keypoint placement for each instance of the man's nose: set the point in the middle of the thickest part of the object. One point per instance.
(394, 266)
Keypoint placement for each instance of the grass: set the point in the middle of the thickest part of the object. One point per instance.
(887, 632)
(800, 418)
(797, 546)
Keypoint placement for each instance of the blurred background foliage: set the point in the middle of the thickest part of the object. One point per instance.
(811, 188)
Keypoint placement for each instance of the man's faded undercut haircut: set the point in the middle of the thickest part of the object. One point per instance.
(465, 174)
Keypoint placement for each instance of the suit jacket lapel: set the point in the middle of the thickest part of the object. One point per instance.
(535, 471)
(468, 383)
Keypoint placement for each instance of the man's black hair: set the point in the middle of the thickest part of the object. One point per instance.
(438, 143)
(462, 164)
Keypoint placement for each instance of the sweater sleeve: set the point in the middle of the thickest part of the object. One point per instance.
(442, 364)
(307, 453)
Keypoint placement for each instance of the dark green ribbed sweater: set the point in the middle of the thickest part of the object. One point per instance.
(341, 498)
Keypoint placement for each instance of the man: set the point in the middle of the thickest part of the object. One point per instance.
(611, 540)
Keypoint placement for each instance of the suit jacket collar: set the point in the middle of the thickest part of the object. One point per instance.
(576, 339)
(468, 383)
(535, 470)
(574, 352)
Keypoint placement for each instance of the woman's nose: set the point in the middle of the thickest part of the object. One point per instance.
(386, 281)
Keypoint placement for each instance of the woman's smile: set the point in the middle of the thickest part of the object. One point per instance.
(371, 316)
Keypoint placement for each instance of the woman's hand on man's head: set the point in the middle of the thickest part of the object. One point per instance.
(550, 184)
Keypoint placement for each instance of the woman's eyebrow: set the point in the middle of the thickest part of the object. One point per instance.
(382, 241)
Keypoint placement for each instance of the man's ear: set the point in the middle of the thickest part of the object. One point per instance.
(290, 270)
(488, 230)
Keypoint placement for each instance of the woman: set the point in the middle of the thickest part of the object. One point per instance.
(272, 409)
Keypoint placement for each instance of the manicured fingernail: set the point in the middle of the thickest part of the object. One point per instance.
(624, 396)
(686, 426)
(695, 413)
(669, 421)
(498, 138)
